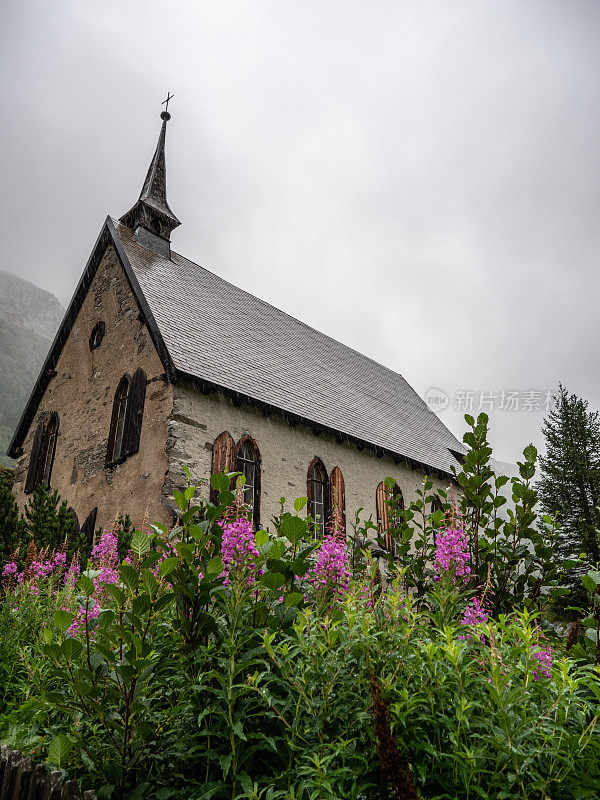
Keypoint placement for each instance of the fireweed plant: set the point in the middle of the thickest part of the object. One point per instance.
(216, 661)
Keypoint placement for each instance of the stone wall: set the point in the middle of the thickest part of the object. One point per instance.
(82, 393)
(286, 452)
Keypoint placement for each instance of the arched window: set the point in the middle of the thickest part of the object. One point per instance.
(48, 449)
(436, 504)
(42, 453)
(223, 459)
(248, 463)
(116, 437)
(338, 502)
(97, 335)
(386, 518)
(317, 489)
(127, 416)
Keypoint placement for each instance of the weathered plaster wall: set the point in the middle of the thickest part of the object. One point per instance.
(82, 393)
(285, 452)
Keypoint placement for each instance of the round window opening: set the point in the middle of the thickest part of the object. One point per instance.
(97, 335)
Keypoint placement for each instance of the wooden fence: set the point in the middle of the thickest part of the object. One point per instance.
(21, 779)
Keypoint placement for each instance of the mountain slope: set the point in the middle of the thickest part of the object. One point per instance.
(27, 306)
(29, 318)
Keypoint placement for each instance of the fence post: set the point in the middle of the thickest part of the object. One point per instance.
(10, 774)
(24, 776)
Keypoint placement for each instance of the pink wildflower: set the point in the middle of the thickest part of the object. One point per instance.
(239, 552)
(10, 574)
(475, 613)
(106, 556)
(331, 572)
(542, 670)
(72, 574)
(452, 554)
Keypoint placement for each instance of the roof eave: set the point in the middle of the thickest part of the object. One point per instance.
(210, 386)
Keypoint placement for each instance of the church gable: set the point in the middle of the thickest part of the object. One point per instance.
(107, 344)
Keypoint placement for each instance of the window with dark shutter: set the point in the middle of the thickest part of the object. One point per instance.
(223, 459)
(46, 459)
(135, 413)
(317, 489)
(116, 436)
(248, 463)
(338, 502)
(382, 509)
(34, 459)
(88, 529)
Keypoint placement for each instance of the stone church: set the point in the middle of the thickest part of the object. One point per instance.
(160, 363)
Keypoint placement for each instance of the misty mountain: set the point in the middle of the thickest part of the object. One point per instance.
(29, 318)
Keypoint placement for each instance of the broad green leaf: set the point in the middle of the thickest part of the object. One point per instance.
(214, 566)
(59, 749)
(86, 585)
(292, 599)
(129, 576)
(116, 592)
(140, 543)
(272, 580)
(62, 619)
(167, 566)
(293, 528)
(220, 481)
(261, 538)
(179, 498)
(300, 503)
(71, 648)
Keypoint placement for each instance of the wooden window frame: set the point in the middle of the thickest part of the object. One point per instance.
(111, 458)
(320, 526)
(223, 459)
(131, 416)
(43, 451)
(48, 450)
(337, 491)
(384, 523)
(247, 440)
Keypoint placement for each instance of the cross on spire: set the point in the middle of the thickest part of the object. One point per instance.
(165, 103)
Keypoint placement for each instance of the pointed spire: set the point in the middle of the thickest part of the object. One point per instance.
(152, 212)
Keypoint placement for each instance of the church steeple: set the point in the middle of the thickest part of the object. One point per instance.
(151, 218)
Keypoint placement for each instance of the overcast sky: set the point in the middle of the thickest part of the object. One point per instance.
(420, 180)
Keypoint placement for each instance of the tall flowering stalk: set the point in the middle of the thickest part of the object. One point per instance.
(239, 553)
(330, 574)
(105, 560)
(452, 555)
(544, 659)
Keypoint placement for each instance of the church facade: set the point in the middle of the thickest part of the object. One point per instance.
(159, 364)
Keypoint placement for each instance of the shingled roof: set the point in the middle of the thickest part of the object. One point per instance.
(222, 335)
(208, 330)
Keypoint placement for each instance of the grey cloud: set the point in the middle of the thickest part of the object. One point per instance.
(418, 180)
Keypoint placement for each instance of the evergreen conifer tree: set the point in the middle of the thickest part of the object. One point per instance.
(49, 521)
(570, 484)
